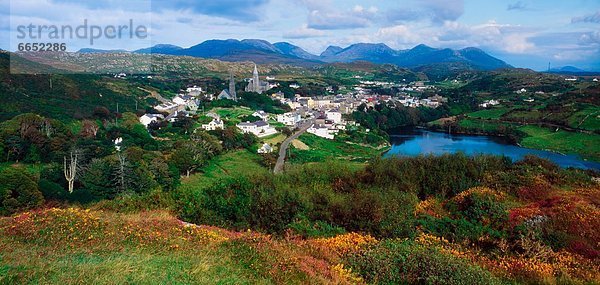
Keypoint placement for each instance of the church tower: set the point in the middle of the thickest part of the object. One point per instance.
(255, 80)
(232, 86)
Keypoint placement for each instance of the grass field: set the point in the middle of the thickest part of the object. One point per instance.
(225, 165)
(586, 145)
(274, 139)
(478, 124)
(587, 119)
(75, 246)
(525, 115)
(494, 113)
(233, 113)
(322, 149)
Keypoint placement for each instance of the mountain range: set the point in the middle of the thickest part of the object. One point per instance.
(263, 52)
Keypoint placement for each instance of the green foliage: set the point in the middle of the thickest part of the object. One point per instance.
(458, 230)
(62, 97)
(405, 262)
(238, 203)
(444, 176)
(18, 191)
(308, 229)
(262, 102)
(481, 208)
(232, 138)
(134, 203)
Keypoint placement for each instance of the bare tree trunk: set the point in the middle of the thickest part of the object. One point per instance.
(70, 169)
(121, 174)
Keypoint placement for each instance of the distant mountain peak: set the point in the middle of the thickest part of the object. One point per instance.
(331, 50)
(422, 48)
(292, 50)
(160, 49)
(261, 51)
(93, 50)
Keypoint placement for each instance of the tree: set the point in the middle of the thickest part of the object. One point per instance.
(89, 129)
(188, 156)
(210, 144)
(120, 172)
(70, 169)
(97, 179)
(18, 191)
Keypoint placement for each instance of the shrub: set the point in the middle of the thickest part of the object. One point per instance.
(481, 205)
(132, 202)
(405, 262)
(458, 230)
(308, 229)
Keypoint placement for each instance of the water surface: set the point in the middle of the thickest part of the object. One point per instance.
(415, 142)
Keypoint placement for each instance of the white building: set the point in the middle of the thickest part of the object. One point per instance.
(166, 107)
(289, 119)
(522, 90)
(182, 99)
(489, 103)
(261, 114)
(194, 91)
(258, 128)
(322, 131)
(265, 148)
(215, 124)
(148, 119)
(334, 115)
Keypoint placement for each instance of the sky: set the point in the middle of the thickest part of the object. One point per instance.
(524, 33)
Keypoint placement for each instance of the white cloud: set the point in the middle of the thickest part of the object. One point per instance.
(304, 32)
(516, 43)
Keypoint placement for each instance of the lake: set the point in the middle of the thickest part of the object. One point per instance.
(415, 142)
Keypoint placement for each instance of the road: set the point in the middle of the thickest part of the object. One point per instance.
(286, 143)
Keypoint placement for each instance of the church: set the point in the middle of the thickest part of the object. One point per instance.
(255, 85)
(229, 93)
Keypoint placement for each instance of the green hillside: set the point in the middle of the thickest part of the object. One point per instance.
(60, 96)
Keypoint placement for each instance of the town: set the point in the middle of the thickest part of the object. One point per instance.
(325, 116)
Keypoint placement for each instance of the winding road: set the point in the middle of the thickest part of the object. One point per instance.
(286, 143)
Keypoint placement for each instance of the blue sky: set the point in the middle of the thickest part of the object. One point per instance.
(525, 33)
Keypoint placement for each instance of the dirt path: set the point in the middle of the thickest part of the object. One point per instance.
(155, 94)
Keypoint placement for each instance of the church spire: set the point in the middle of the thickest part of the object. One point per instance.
(232, 86)
(256, 80)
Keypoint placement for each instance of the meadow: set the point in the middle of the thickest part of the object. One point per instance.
(586, 145)
(321, 149)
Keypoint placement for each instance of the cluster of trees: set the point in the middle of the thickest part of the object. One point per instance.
(390, 115)
(262, 102)
(93, 160)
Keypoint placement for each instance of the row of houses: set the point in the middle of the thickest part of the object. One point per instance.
(183, 104)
